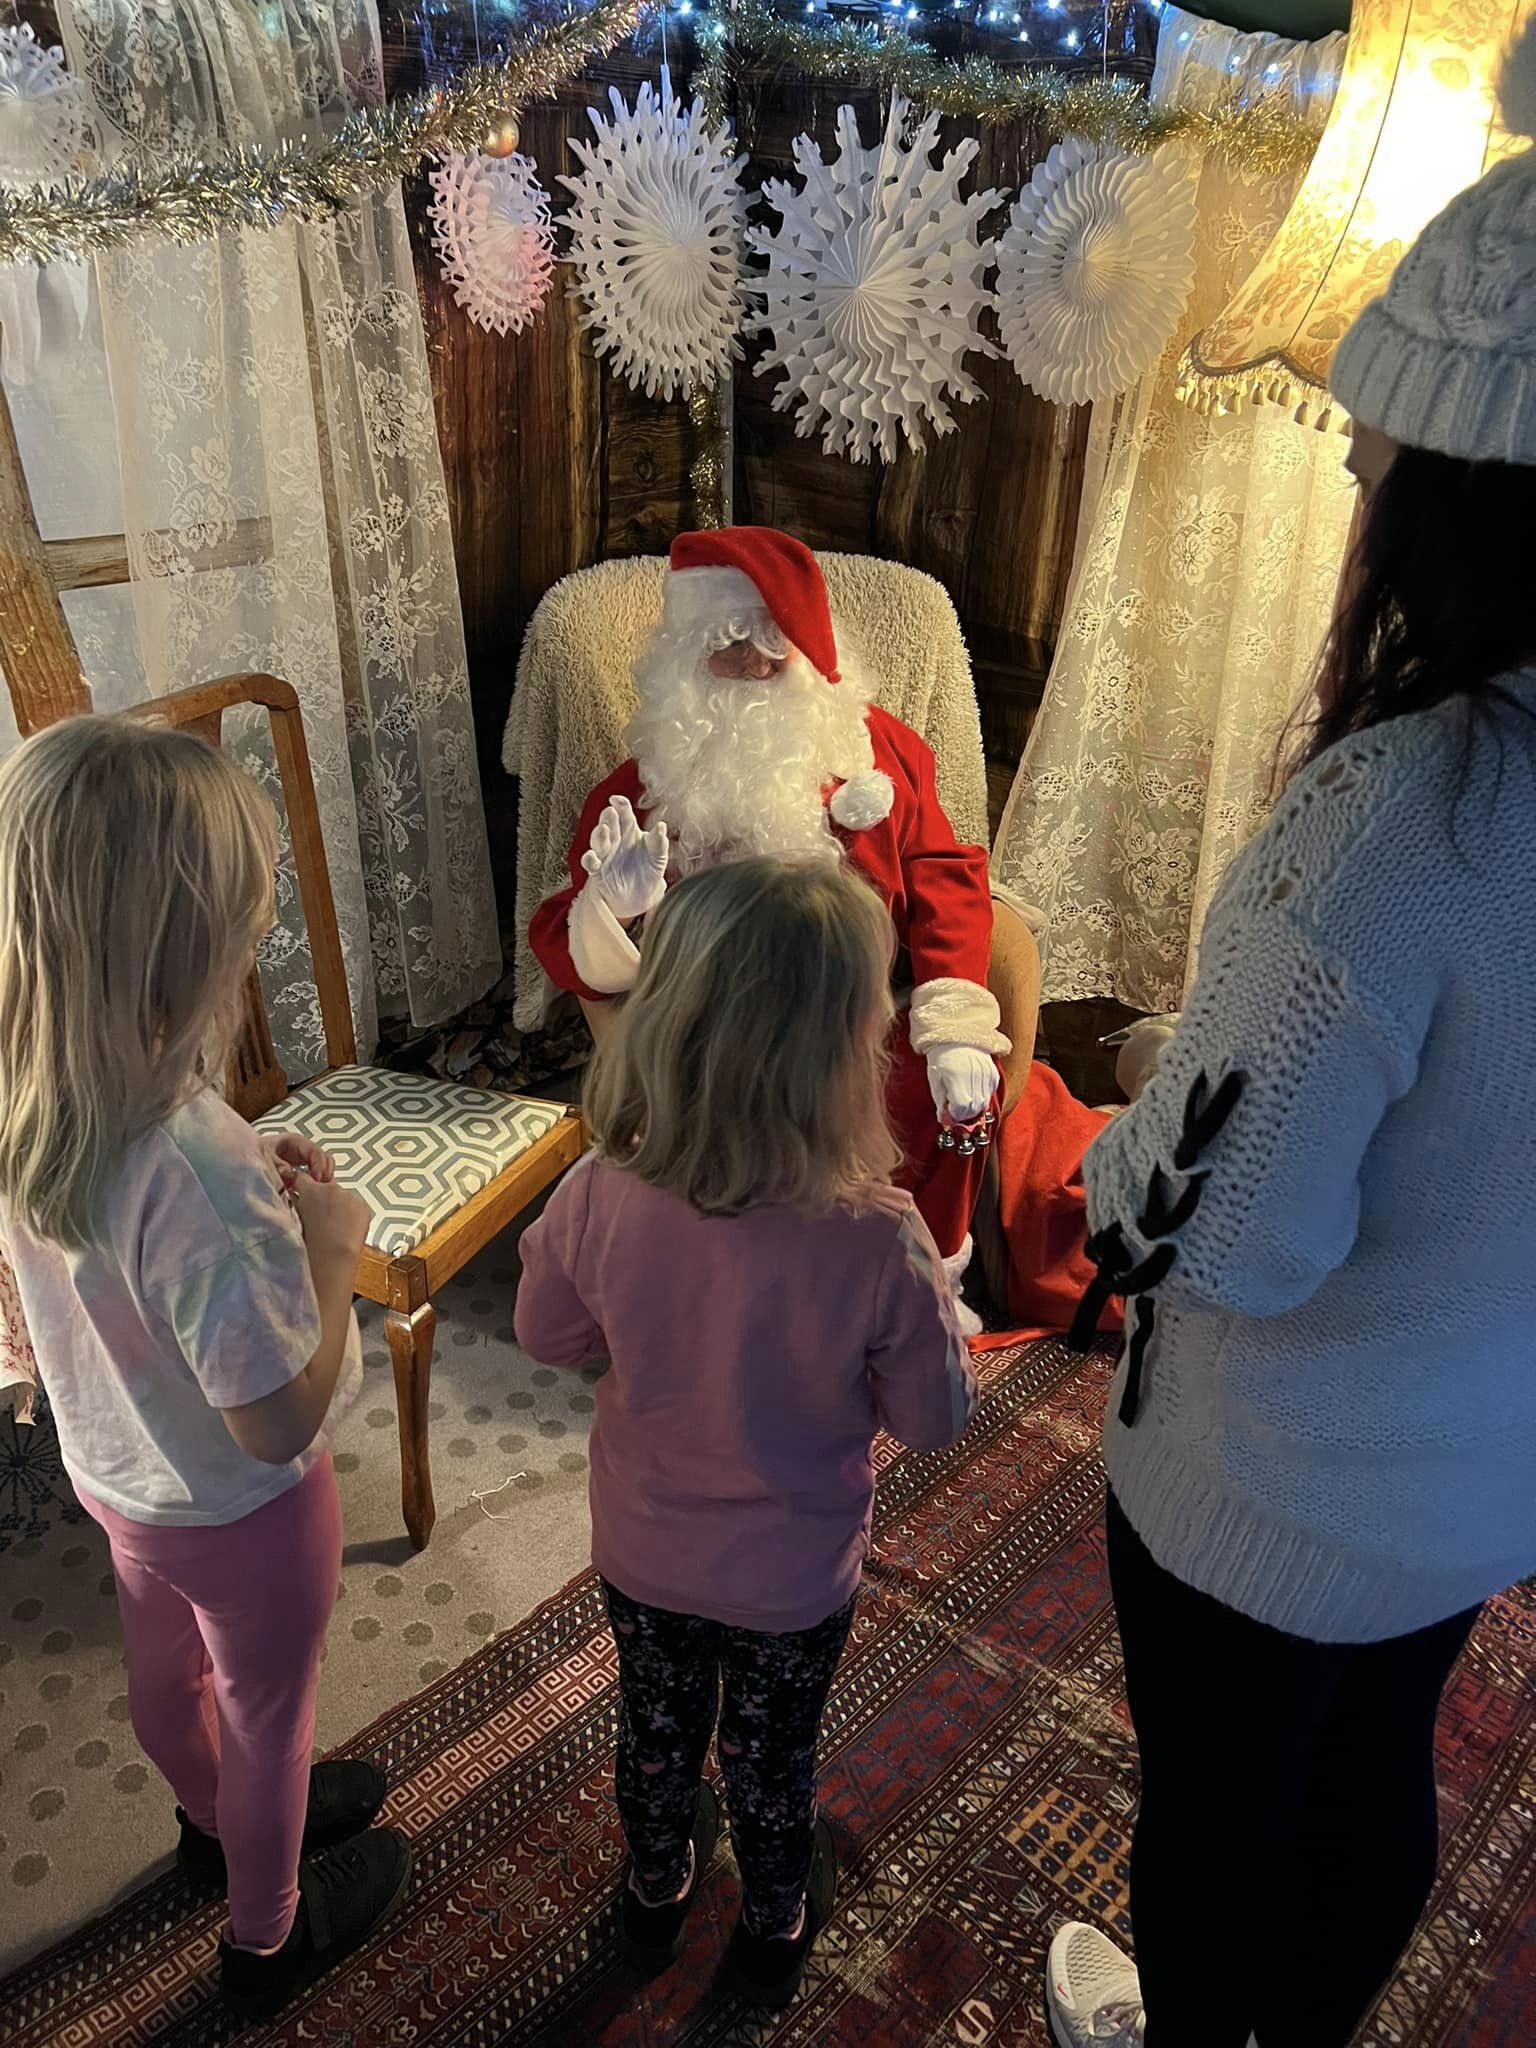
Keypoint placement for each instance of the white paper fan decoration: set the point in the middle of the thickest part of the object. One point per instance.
(1095, 268)
(874, 287)
(495, 241)
(656, 242)
(42, 113)
(42, 140)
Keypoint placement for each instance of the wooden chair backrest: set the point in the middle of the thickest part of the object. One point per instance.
(256, 1081)
(45, 683)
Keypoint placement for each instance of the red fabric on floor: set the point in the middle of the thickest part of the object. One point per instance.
(1043, 1206)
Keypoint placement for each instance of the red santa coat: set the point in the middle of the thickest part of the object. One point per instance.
(940, 900)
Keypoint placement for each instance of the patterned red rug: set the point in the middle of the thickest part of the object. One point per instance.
(980, 1777)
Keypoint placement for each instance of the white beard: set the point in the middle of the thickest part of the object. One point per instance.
(739, 768)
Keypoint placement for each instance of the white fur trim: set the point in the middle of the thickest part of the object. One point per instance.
(602, 952)
(956, 1265)
(865, 799)
(689, 594)
(954, 1012)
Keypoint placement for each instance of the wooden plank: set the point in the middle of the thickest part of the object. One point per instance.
(454, 1243)
(37, 652)
(99, 561)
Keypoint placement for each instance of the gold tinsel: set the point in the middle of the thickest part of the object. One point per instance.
(706, 411)
(1260, 135)
(187, 199)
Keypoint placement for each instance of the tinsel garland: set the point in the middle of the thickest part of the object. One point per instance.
(188, 199)
(1260, 135)
(706, 475)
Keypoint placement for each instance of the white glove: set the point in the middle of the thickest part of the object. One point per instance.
(628, 867)
(961, 1080)
(1145, 1044)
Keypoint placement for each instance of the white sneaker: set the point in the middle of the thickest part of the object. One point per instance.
(1092, 1991)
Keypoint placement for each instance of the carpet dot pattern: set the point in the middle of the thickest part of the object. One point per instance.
(84, 1817)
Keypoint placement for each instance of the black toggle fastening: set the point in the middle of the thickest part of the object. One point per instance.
(1163, 1217)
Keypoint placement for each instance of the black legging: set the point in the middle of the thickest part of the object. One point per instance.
(1288, 1831)
(676, 1671)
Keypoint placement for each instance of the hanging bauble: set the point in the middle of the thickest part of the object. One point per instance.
(502, 140)
(874, 287)
(490, 221)
(656, 232)
(42, 140)
(1095, 268)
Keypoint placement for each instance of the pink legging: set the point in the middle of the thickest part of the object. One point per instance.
(222, 1629)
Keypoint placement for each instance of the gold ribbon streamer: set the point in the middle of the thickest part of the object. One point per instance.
(1258, 134)
(188, 199)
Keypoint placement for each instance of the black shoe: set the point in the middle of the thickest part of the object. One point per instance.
(652, 1936)
(344, 1894)
(343, 1800)
(767, 1972)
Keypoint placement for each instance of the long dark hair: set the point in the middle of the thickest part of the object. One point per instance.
(1440, 605)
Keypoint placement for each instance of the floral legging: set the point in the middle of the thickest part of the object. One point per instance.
(676, 1673)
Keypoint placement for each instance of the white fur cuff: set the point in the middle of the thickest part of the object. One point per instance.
(865, 799)
(954, 1012)
(602, 952)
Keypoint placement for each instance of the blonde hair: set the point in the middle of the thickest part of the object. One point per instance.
(136, 875)
(747, 1067)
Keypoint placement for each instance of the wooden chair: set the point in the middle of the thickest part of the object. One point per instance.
(443, 1167)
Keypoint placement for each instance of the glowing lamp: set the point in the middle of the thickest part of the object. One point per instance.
(1413, 123)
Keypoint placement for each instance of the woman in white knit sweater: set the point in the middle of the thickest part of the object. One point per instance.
(1322, 1438)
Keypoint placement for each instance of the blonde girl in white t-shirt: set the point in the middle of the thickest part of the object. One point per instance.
(188, 1289)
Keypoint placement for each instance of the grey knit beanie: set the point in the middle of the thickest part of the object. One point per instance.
(1446, 359)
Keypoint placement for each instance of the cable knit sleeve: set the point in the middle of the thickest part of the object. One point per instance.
(1234, 1182)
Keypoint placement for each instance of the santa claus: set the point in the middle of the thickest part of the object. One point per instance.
(753, 736)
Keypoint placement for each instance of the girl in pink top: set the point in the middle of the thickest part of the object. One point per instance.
(768, 1301)
(188, 1290)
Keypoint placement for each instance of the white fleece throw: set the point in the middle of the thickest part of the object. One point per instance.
(573, 699)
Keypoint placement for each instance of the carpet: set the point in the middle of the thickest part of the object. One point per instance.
(979, 1775)
(83, 1818)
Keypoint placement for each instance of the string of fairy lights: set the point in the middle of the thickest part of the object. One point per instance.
(1066, 32)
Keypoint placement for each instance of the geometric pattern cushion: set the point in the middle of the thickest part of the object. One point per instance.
(415, 1148)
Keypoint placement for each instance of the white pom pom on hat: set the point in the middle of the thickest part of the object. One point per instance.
(865, 799)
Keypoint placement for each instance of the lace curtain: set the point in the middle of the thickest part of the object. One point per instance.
(1207, 558)
(278, 478)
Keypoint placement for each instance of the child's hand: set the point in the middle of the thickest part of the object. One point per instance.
(293, 1155)
(334, 1220)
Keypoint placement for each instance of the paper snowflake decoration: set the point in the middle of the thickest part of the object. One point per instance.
(42, 115)
(1095, 268)
(656, 233)
(495, 241)
(42, 141)
(874, 287)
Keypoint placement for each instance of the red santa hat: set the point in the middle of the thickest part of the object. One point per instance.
(736, 572)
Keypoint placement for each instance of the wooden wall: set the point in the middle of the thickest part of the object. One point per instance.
(553, 464)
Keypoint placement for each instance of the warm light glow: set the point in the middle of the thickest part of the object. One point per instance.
(1412, 125)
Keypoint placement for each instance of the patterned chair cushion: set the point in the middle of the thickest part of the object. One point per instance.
(415, 1148)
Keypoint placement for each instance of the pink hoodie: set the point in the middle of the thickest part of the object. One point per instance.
(753, 1359)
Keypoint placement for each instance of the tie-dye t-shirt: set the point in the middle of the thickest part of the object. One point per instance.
(196, 1297)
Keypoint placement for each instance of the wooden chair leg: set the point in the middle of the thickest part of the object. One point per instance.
(410, 1348)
